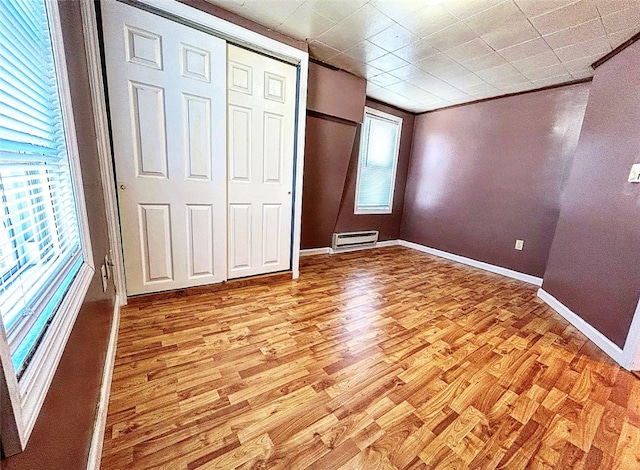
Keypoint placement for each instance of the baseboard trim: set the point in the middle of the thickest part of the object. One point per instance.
(330, 251)
(315, 251)
(604, 343)
(95, 451)
(537, 281)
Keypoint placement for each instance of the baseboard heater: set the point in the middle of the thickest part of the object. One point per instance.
(351, 240)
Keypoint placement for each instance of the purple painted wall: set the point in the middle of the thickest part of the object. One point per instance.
(594, 265)
(486, 174)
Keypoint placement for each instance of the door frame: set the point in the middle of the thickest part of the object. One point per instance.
(232, 33)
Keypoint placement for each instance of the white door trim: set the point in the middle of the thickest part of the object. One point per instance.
(101, 122)
(252, 40)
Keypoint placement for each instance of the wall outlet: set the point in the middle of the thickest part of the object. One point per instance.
(519, 244)
(103, 275)
(634, 174)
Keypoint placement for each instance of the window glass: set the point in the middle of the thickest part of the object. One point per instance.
(40, 245)
(377, 162)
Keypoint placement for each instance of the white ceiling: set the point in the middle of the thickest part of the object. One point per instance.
(421, 55)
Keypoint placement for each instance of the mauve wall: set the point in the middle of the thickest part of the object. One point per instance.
(387, 224)
(335, 104)
(486, 174)
(594, 265)
(63, 431)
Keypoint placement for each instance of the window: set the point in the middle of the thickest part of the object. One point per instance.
(44, 248)
(379, 144)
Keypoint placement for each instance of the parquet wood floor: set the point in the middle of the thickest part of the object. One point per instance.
(386, 358)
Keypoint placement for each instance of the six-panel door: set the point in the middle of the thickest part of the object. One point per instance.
(167, 97)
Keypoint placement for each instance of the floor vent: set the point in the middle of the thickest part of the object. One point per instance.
(351, 240)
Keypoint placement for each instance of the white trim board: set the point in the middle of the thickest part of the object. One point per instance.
(95, 451)
(101, 124)
(585, 328)
(330, 251)
(476, 264)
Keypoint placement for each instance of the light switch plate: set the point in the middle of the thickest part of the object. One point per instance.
(519, 245)
(634, 174)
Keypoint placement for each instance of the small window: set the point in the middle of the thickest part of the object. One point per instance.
(377, 161)
(45, 265)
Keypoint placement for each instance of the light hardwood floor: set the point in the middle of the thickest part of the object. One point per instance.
(386, 358)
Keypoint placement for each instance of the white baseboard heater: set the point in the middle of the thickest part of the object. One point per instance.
(351, 240)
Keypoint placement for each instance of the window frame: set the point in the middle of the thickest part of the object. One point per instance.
(25, 397)
(364, 141)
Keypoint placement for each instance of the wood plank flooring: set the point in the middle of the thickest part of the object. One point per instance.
(386, 358)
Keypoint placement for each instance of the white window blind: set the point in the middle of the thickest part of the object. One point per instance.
(40, 246)
(378, 157)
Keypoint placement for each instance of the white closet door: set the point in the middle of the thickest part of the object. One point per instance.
(261, 124)
(167, 95)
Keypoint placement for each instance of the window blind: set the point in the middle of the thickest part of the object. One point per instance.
(40, 250)
(377, 163)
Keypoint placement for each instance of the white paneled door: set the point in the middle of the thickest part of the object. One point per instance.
(261, 123)
(167, 96)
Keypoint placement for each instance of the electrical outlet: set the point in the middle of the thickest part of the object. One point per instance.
(108, 265)
(519, 244)
(103, 273)
(634, 174)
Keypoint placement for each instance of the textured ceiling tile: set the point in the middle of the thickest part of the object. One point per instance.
(322, 51)
(502, 82)
(345, 62)
(618, 38)
(367, 21)
(384, 79)
(511, 34)
(397, 10)
(586, 73)
(484, 62)
(481, 88)
(417, 51)
(497, 17)
(305, 23)
(584, 32)
(622, 20)
(469, 50)
(276, 12)
(533, 8)
(388, 62)
(408, 90)
(465, 8)
(606, 7)
(525, 49)
(579, 65)
(393, 38)
(456, 34)
(438, 61)
(553, 80)
(365, 51)
(428, 82)
(519, 88)
(468, 80)
(429, 20)
(495, 73)
(593, 47)
(566, 17)
(340, 38)
(546, 59)
(407, 72)
(546, 72)
(449, 73)
(333, 10)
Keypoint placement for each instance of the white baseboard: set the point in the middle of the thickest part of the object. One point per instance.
(585, 328)
(95, 451)
(315, 251)
(329, 251)
(476, 264)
